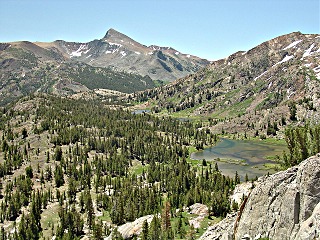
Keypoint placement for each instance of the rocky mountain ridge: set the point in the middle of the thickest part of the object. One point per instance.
(285, 205)
(122, 53)
(260, 86)
(115, 62)
(26, 68)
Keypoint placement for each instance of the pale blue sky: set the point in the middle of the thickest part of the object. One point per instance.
(210, 29)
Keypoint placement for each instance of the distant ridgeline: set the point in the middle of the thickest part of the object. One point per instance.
(115, 62)
(259, 92)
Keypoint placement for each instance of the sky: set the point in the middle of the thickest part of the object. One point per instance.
(210, 29)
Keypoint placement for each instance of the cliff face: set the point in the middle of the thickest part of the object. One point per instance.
(285, 205)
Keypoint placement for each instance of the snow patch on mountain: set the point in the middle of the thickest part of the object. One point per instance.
(285, 59)
(123, 53)
(115, 44)
(317, 71)
(292, 44)
(79, 52)
(255, 79)
(290, 93)
(308, 51)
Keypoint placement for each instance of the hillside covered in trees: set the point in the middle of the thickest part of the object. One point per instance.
(71, 168)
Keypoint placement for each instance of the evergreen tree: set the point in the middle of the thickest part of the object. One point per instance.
(116, 235)
(58, 176)
(24, 133)
(155, 229)
(89, 209)
(145, 231)
(97, 231)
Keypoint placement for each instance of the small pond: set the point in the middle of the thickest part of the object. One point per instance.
(140, 111)
(243, 156)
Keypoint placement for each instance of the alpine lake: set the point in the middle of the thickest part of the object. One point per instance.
(251, 157)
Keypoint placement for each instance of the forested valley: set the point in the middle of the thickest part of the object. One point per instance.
(73, 168)
(73, 159)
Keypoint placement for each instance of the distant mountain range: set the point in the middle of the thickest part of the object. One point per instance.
(264, 88)
(115, 62)
(120, 52)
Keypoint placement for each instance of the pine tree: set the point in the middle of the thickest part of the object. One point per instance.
(155, 229)
(116, 235)
(58, 176)
(89, 209)
(97, 231)
(236, 178)
(246, 178)
(145, 230)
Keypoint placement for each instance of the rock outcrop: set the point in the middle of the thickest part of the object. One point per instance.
(201, 211)
(285, 205)
(241, 191)
(131, 229)
(222, 230)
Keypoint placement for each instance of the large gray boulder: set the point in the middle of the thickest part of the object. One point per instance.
(223, 230)
(285, 205)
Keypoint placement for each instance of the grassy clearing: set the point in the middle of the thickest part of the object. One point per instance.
(241, 107)
(194, 163)
(206, 222)
(275, 141)
(49, 218)
(273, 166)
(137, 167)
(233, 161)
(105, 217)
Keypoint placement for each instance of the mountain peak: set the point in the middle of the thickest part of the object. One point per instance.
(113, 33)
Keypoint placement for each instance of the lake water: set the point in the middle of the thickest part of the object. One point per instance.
(243, 156)
(140, 111)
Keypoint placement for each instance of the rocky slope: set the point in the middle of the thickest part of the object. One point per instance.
(120, 52)
(115, 62)
(285, 205)
(256, 86)
(27, 68)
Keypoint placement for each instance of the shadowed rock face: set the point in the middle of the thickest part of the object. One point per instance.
(285, 205)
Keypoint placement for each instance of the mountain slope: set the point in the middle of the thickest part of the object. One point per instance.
(27, 68)
(273, 81)
(115, 62)
(120, 52)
